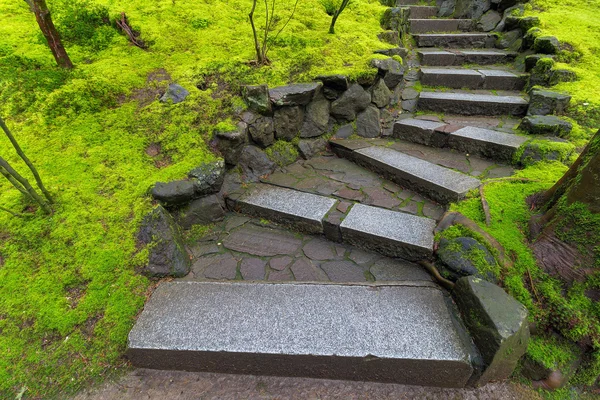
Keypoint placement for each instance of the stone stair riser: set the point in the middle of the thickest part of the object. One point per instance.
(472, 79)
(445, 58)
(439, 25)
(455, 41)
(472, 105)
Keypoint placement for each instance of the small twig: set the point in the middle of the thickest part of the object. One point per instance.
(14, 214)
(436, 274)
(486, 207)
(532, 286)
(133, 36)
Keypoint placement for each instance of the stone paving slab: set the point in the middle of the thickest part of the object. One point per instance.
(439, 183)
(305, 211)
(403, 334)
(390, 233)
(472, 104)
(454, 40)
(486, 143)
(349, 182)
(253, 251)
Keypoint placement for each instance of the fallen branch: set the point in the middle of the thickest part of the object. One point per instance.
(533, 287)
(486, 207)
(436, 274)
(134, 36)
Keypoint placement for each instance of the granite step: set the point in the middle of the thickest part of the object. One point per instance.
(472, 103)
(434, 181)
(457, 78)
(455, 40)
(405, 334)
(486, 143)
(422, 12)
(439, 25)
(300, 210)
(439, 57)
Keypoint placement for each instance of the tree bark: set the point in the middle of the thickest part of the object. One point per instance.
(21, 154)
(44, 20)
(14, 175)
(336, 15)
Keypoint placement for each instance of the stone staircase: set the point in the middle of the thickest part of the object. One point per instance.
(259, 301)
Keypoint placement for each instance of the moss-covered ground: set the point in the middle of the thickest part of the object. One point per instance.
(69, 291)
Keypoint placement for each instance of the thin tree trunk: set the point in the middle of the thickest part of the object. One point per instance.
(44, 20)
(336, 15)
(14, 214)
(30, 190)
(259, 58)
(13, 181)
(27, 161)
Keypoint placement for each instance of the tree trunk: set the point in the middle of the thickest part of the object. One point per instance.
(44, 20)
(581, 183)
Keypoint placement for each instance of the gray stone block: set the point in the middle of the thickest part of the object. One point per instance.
(299, 94)
(453, 40)
(546, 125)
(456, 78)
(422, 12)
(436, 57)
(472, 104)
(487, 57)
(419, 131)
(394, 333)
(303, 211)
(435, 25)
(498, 324)
(497, 79)
(486, 143)
(368, 124)
(544, 102)
(390, 233)
(439, 183)
(201, 211)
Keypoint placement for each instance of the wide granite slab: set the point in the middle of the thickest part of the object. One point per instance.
(436, 57)
(486, 143)
(391, 233)
(402, 334)
(301, 210)
(439, 183)
(472, 104)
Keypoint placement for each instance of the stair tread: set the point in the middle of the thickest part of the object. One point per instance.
(390, 225)
(275, 327)
(288, 201)
(468, 71)
(475, 97)
(491, 136)
(424, 170)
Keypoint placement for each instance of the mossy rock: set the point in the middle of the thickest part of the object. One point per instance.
(546, 125)
(549, 149)
(465, 256)
(282, 153)
(546, 45)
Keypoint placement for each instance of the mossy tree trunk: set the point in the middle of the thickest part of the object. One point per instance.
(44, 20)
(580, 184)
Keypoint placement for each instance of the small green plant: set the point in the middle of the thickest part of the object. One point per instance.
(336, 14)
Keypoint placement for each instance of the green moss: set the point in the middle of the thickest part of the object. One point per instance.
(282, 153)
(539, 150)
(551, 353)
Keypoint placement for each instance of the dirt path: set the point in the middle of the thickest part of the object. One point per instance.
(145, 384)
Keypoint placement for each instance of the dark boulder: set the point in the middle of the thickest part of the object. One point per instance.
(287, 122)
(544, 102)
(473, 9)
(458, 255)
(489, 21)
(255, 163)
(391, 37)
(561, 75)
(445, 8)
(174, 193)
(262, 130)
(545, 125)
(208, 177)
(497, 323)
(511, 40)
(201, 211)
(337, 82)
(368, 124)
(309, 147)
(548, 149)
(257, 98)
(352, 101)
(391, 71)
(299, 94)
(380, 94)
(546, 45)
(175, 93)
(396, 51)
(231, 144)
(167, 255)
(316, 119)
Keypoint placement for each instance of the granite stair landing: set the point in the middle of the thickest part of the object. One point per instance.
(389, 333)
